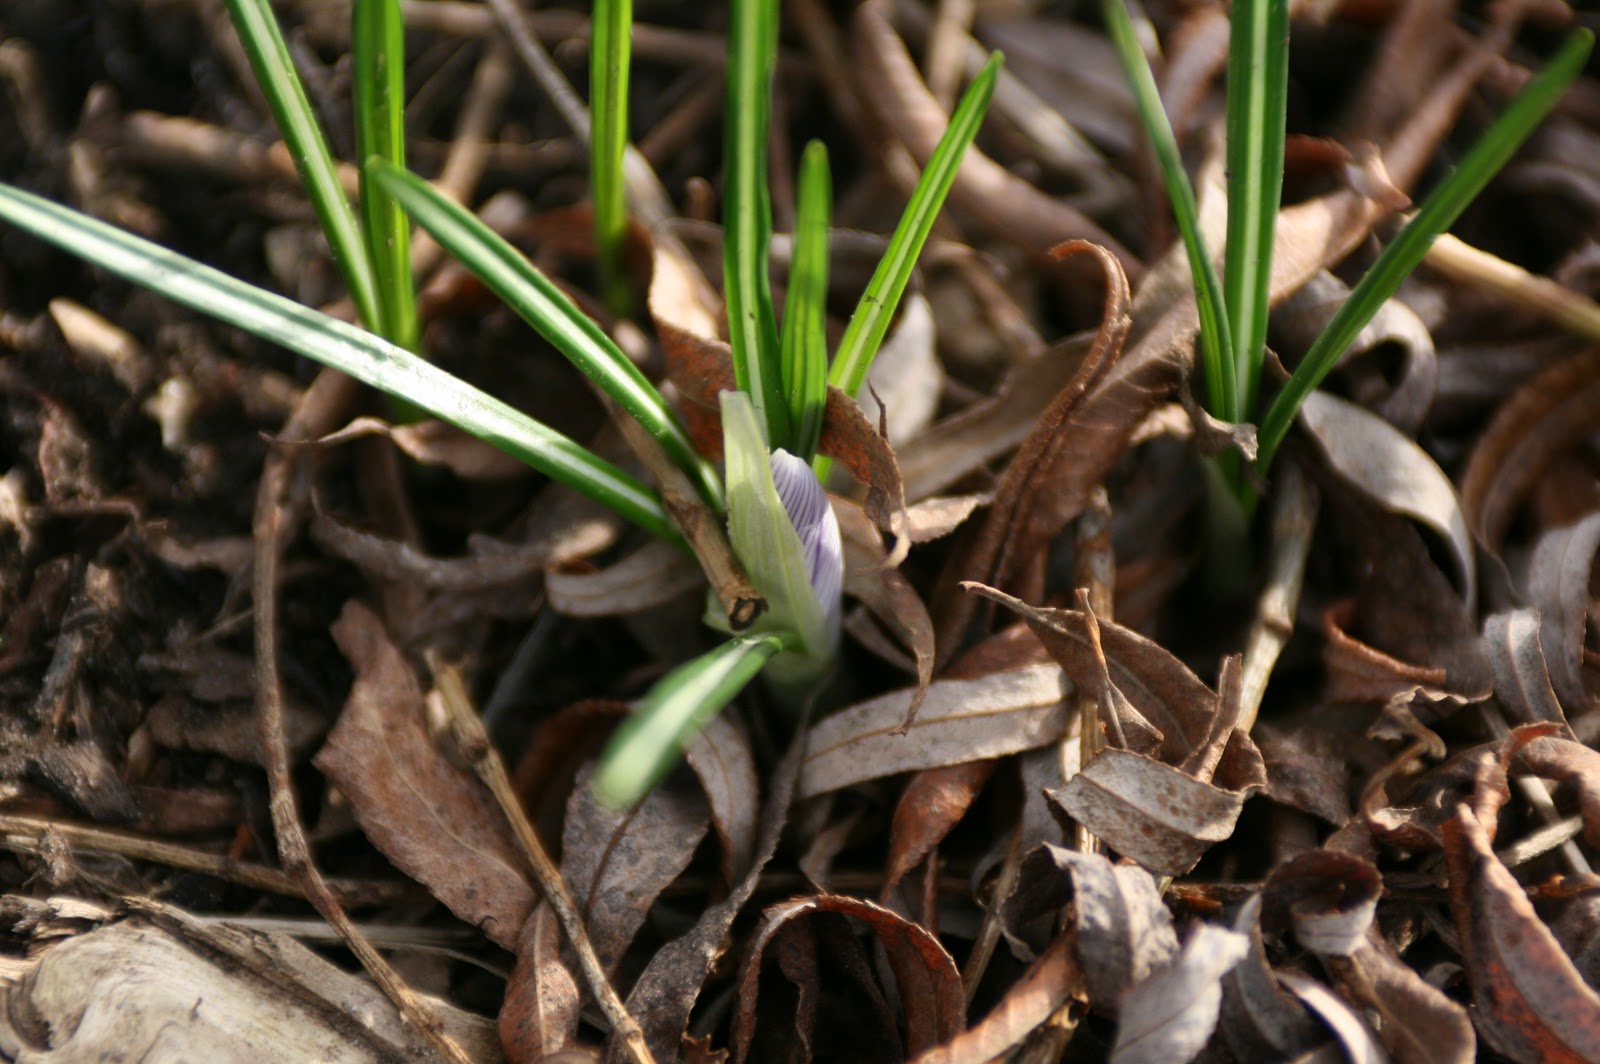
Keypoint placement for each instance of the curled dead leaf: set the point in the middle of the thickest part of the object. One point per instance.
(1326, 897)
(926, 979)
(1558, 584)
(1546, 416)
(1531, 1003)
(1151, 811)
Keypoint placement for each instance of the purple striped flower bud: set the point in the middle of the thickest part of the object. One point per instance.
(808, 509)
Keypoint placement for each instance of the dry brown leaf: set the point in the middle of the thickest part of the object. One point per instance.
(854, 442)
(720, 755)
(931, 805)
(1558, 585)
(1389, 468)
(871, 579)
(539, 1015)
(1546, 416)
(960, 720)
(617, 862)
(1555, 757)
(490, 565)
(1023, 518)
(1120, 931)
(1158, 687)
(1418, 1023)
(1169, 1017)
(1517, 664)
(926, 978)
(651, 576)
(906, 379)
(1049, 982)
(1355, 1037)
(1361, 673)
(665, 992)
(436, 443)
(1306, 770)
(1531, 1003)
(969, 440)
(434, 821)
(1408, 608)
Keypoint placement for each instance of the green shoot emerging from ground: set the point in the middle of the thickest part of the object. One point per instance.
(1233, 312)
(779, 520)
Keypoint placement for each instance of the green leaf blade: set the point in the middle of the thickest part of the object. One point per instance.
(747, 215)
(870, 322)
(805, 339)
(1216, 342)
(610, 55)
(542, 305)
(1258, 78)
(1441, 209)
(361, 354)
(682, 703)
(378, 51)
(269, 57)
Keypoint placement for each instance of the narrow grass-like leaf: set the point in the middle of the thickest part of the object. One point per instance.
(1439, 211)
(269, 57)
(542, 305)
(870, 322)
(379, 54)
(805, 310)
(747, 214)
(610, 48)
(1216, 343)
(363, 355)
(1258, 79)
(682, 703)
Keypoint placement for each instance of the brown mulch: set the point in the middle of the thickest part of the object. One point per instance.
(1319, 786)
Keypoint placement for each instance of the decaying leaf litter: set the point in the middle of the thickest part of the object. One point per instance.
(1337, 796)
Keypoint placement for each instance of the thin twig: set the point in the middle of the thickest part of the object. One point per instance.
(1095, 574)
(473, 743)
(1467, 265)
(469, 147)
(280, 507)
(24, 834)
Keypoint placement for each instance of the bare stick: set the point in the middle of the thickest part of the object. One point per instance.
(280, 506)
(473, 742)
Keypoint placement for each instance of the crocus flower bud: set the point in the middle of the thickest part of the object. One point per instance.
(812, 517)
(783, 530)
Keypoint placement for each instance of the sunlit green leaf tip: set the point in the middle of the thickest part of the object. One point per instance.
(650, 742)
(870, 322)
(1411, 244)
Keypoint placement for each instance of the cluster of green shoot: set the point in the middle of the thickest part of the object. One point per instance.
(779, 523)
(1233, 311)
